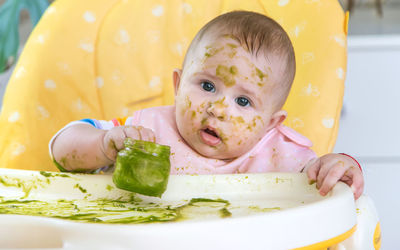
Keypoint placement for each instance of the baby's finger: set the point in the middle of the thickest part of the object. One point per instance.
(334, 175)
(358, 181)
(325, 168)
(132, 132)
(117, 137)
(312, 169)
(147, 135)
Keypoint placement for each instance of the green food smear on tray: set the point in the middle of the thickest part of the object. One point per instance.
(113, 211)
(52, 174)
(142, 167)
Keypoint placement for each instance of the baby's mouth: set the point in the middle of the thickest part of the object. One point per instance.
(209, 136)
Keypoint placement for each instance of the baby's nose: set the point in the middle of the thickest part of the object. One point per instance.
(217, 109)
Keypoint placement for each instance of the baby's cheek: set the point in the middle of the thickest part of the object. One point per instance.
(194, 116)
(244, 124)
(239, 131)
(184, 105)
(257, 124)
(247, 131)
(254, 125)
(180, 107)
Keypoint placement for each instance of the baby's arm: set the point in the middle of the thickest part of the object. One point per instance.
(331, 168)
(82, 147)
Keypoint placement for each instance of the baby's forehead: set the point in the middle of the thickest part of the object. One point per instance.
(210, 46)
(223, 49)
(226, 51)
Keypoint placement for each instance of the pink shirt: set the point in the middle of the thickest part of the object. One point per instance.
(280, 150)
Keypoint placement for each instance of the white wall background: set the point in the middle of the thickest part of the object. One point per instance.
(370, 124)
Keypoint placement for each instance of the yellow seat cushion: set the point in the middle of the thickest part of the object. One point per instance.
(107, 58)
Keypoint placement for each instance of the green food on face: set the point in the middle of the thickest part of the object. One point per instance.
(237, 119)
(233, 70)
(227, 74)
(260, 74)
(233, 46)
(142, 167)
(212, 51)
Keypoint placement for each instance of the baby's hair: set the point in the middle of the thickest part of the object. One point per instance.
(255, 32)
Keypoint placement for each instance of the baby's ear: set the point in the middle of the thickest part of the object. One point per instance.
(277, 118)
(176, 77)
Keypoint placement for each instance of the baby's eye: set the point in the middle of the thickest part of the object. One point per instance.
(207, 86)
(242, 101)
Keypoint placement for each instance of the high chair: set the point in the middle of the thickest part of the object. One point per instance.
(107, 58)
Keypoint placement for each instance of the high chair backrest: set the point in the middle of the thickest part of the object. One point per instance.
(107, 58)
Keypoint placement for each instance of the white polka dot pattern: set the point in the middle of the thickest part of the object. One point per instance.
(20, 72)
(308, 57)
(187, 8)
(40, 39)
(340, 73)
(50, 84)
(158, 11)
(89, 17)
(18, 149)
(99, 82)
(155, 82)
(328, 122)
(14, 117)
(122, 37)
(43, 113)
(310, 90)
(88, 47)
(283, 2)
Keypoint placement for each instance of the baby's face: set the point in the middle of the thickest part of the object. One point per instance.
(224, 98)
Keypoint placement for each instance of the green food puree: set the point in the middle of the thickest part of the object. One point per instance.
(142, 167)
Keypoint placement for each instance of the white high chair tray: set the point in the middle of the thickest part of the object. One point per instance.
(238, 211)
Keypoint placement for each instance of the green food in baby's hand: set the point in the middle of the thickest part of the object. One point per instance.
(142, 167)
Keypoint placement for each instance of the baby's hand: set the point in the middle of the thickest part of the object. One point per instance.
(331, 168)
(113, 140)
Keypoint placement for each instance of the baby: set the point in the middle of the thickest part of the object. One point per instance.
(227, 117)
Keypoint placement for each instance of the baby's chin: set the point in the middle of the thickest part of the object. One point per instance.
(219, 152)
(214, 154)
